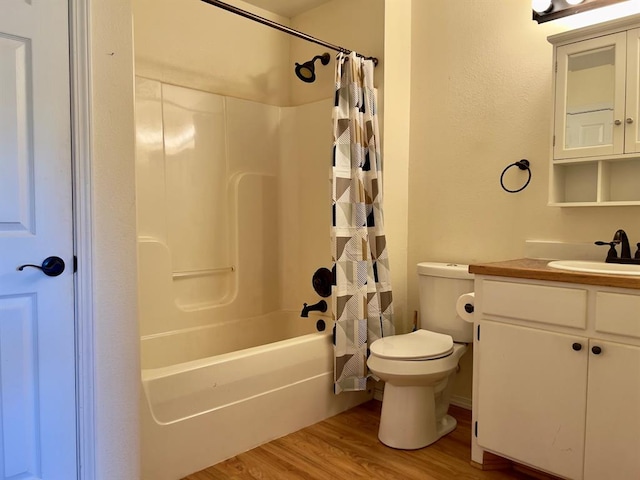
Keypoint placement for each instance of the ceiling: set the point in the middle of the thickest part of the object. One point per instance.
(287, 8)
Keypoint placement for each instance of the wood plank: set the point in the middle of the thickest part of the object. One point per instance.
(347, 447)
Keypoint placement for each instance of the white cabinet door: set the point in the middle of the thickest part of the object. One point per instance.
(532, 400)
(632, 117)
(590, 97)
(37, 357)
(612, 447)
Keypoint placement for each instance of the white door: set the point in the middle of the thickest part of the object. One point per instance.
(37, 357)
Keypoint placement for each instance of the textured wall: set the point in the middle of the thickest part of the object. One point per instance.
(116, 372)
(481, 99)
(334, 22)
(396, 145)
(200, 46)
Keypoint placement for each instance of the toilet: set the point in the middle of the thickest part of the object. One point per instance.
(418, 368)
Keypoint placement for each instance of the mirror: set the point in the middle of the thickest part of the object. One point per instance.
(590, 98)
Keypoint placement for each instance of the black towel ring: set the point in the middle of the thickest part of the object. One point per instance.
(522, 165)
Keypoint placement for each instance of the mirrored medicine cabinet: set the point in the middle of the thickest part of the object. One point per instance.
(596, 124)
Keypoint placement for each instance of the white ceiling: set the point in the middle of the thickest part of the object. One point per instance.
(287, 8)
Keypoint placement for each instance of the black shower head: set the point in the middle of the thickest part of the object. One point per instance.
(307, 72)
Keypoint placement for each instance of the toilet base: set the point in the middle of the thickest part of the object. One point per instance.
(409, 417)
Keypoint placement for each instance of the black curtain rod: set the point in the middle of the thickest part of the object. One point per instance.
(282, 28)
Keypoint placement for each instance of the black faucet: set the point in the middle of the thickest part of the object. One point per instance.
(321, 306)
(620, 237)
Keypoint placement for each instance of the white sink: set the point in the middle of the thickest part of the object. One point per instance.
(596, 267)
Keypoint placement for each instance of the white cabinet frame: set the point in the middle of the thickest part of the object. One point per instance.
(606, 174)
(586, 396)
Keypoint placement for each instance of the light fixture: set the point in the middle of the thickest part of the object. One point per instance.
(541, 6)
(547, 10)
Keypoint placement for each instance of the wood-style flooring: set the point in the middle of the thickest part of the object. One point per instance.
(347, 447)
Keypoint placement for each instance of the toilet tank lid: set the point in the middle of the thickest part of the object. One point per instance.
(447, 270)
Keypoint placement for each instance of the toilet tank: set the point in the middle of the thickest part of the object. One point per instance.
(440, 285)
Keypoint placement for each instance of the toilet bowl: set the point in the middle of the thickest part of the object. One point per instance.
(419, 368)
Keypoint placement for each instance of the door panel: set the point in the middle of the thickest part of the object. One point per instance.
(16, 191)
(37, 325)
(590, 79)
(532, 400)
(18, 357)
(613, 412)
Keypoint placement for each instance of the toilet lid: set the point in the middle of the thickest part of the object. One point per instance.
(418, 345)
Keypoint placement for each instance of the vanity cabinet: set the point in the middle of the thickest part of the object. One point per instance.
(596, 123)
(557, 377)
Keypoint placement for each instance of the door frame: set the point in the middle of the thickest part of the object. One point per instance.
(80, 89)
(104, 222)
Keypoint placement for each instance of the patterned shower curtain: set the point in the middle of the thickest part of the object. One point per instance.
(362, 299)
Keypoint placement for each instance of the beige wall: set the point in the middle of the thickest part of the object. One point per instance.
(116, 373)
(397, 103)
(204, 47)
(333, 22)
(197, 45)
(480, 100)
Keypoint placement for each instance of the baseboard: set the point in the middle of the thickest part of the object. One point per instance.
(492, 462)
(460, 401)
(378, 391)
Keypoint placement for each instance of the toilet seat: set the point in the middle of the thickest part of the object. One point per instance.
(418, 345)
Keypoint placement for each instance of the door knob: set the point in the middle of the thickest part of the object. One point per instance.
(629, 120)
(596, 350)
(618, 122)
(51, 266)
(577, 346)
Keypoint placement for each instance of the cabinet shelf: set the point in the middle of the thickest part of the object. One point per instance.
(605, 158)
(613, 182)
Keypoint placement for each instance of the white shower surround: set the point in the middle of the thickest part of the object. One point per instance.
(227, 362)
(202, 411)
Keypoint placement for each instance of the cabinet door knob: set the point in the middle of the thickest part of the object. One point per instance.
(629, 120)
(596, 350)
(617, 122)
(577, 346)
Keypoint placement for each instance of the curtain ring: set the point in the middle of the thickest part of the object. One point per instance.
(522, 165)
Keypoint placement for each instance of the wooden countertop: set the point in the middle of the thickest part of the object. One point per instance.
(536, 269)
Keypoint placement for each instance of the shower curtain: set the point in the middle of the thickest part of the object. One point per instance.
(362, 298)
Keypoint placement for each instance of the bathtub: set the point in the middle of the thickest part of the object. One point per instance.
(209, 393)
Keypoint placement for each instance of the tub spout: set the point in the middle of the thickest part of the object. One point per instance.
(321, 306)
